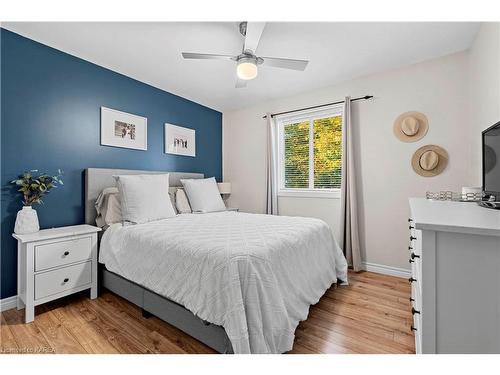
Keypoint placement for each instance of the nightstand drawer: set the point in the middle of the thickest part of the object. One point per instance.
(62, 279)
(62, 253)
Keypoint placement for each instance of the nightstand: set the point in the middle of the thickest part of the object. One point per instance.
(232, 209)
(54, 263)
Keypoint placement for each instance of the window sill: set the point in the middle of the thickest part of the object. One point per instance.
(332, 194)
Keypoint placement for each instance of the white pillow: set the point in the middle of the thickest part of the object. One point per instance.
(203, 195)
(181, 202)
(144, 197)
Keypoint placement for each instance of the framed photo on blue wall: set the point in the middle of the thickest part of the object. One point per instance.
(121, 129)
(180, 140)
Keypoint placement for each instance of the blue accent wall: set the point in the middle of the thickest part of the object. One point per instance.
(50, 119)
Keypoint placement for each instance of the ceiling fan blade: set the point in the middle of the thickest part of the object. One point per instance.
(252, 36)
(240, 83)
(285, 63)
(206, 56)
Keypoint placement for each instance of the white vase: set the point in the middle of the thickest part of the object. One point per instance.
(26, 221)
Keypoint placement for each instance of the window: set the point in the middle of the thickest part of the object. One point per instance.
(310, 153)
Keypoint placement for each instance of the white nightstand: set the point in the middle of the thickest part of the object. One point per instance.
(232, 209)
(54, 263)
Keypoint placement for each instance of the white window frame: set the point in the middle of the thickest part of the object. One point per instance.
(311, 115)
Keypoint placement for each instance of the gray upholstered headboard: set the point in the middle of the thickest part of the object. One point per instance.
(97, 179)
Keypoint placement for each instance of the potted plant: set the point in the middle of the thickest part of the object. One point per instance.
(33, 186)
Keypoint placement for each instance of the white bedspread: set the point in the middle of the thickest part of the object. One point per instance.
(255, 275)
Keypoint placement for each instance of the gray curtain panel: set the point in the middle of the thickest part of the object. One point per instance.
(271, 167)
(349, 230)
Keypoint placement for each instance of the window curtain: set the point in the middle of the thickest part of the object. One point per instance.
(349, 230)
(271, 168)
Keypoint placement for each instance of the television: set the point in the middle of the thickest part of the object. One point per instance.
(491, 163)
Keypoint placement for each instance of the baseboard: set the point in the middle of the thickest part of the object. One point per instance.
(386, 270)
(8, 303)
(11, 302)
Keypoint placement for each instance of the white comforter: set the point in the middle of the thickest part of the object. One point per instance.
(254, 275)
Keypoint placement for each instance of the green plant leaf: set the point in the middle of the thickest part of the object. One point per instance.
(33, 187)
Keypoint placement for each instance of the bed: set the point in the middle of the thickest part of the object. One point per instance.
(237, 282)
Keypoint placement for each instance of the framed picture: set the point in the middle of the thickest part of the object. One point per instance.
(179, 140)
(121, 129)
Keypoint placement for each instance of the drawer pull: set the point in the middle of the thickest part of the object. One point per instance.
(410, 227)
(66, 253)
(413, 256)
(412, 238)
(410, 220)
(65, 280)
(410, 248)
(411, 279)
(413, 328)
(411, 261)
(412, 299)
(413, 311)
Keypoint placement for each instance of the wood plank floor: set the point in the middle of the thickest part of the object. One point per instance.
(371, 315)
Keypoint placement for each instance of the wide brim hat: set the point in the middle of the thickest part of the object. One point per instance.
(429, 160)
(411, 126)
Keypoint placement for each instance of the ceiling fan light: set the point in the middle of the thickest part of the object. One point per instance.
(246, 69)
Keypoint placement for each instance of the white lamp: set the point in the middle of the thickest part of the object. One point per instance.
(224, 187)
(247, 68)
(224, 190)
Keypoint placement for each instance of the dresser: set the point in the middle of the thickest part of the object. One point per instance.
(454, 252)
(54, 263)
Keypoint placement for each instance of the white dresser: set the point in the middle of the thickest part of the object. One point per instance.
(455, 261)
(54, 263)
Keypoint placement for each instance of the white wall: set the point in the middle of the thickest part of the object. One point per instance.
(437, 88)
(484, 89)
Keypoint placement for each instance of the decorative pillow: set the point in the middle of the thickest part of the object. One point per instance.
(181, 202)
(144, 197)
(203, 195)
(108, 207)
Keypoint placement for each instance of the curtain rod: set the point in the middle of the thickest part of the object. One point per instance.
(366, 97)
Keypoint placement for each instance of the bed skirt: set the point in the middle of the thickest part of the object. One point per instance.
(177, 315)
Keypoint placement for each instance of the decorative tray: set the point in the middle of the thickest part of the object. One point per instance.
(453, 196)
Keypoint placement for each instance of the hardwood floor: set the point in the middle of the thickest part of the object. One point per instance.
(371, 315)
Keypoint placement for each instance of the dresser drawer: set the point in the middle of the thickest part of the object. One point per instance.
(416, 294)
(62, 279)
(414, 264)
(417, 245)
(416, 269)
(417, 331)
(62, 253)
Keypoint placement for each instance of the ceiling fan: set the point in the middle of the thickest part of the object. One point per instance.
(247, 61)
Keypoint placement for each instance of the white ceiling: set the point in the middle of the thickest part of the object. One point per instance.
(151, 53)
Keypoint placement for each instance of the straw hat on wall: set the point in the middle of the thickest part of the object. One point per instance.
(411, 126)
(429, 160)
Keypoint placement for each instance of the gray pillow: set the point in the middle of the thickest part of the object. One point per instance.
(182, 202)
(171, 194)
(108, 207)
